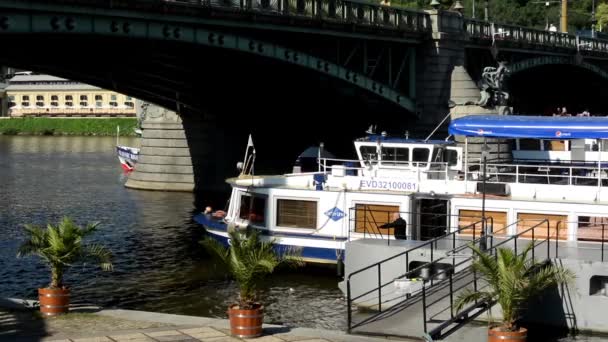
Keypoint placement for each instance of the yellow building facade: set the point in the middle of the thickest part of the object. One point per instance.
(43, 95)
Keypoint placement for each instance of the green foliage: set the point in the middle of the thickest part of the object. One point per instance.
(513, 280)
(602, 15)
(249, 260)
(65, 126)
(528, 13)
(60, 246)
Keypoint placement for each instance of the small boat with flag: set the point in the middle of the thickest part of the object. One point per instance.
(127, 155)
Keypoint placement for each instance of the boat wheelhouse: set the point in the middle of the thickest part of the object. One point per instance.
(433, 185)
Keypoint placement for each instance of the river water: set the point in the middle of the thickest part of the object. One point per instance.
(159, 265)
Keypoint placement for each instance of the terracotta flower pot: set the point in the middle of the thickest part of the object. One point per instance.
(54, 301)
(497, 335)
(246, 323)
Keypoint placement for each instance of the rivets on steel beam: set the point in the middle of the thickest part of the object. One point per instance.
(4, 23)
(70, 24)
(324, 66)
(55, 23)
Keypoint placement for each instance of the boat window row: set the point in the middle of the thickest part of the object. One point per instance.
(291, 213)
(69, 100)
(588, 228)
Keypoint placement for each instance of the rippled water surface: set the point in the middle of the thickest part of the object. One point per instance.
(159, 265)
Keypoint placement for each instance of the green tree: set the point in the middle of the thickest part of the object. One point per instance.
(601, 13)
(512, 281)
(60, 247)
(249, 260)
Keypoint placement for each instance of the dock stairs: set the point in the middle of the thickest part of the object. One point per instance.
(425, 308)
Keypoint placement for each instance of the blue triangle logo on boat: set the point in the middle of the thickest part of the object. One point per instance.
(335, 214)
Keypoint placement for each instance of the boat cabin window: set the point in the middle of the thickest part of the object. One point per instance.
(395, 156)
(368, 153)
(558, 226)
(590, 228)
(252, 208)
(296, 213)
(529, 144)
(421, 156)
(369, 217)
(555, 145)
(470, 222)
(450, 157)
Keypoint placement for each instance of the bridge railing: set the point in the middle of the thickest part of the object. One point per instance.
(493, 31)
(349, 11)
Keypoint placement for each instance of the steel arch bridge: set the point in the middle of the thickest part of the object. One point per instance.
(387, 71)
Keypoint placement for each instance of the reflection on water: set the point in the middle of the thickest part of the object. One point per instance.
(159, 264)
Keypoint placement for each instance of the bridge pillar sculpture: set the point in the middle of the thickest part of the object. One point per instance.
(468, 99)
(164, 160)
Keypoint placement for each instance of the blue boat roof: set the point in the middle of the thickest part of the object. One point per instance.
(535, 127)
(378, 137)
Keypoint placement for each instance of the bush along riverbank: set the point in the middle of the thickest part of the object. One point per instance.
(68, 126)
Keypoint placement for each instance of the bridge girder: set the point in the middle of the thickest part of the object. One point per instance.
(107, 24)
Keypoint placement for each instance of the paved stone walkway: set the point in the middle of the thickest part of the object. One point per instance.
(206, 334)
(116, 325)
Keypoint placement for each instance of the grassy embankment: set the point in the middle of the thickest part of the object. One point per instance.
(68, 126)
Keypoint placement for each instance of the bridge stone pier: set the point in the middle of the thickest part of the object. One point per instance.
(411, 67)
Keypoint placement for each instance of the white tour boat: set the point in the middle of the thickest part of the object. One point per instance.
(557, 173)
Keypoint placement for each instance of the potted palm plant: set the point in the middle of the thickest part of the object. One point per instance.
(249, 260)
(60, 246)
(513, 280)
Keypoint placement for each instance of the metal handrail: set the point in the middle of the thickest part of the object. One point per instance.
(378, 264)
(602, 241)
(520, 173)
(492, 249)
(492, 31)
(347, 11)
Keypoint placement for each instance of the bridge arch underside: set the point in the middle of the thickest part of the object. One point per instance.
(225, 93)
(543, 88)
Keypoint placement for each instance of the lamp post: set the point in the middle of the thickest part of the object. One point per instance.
(593, 19)
(473, 10)
(435, 4)
(485, 10)
(484, 157)
(564, 16)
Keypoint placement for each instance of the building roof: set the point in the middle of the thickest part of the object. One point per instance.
(45, 83)
(50, 87)
(37, 78)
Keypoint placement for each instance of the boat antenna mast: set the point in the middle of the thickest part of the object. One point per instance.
(437, 127)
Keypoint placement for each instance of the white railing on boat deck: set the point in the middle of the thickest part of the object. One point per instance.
(568, 174)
